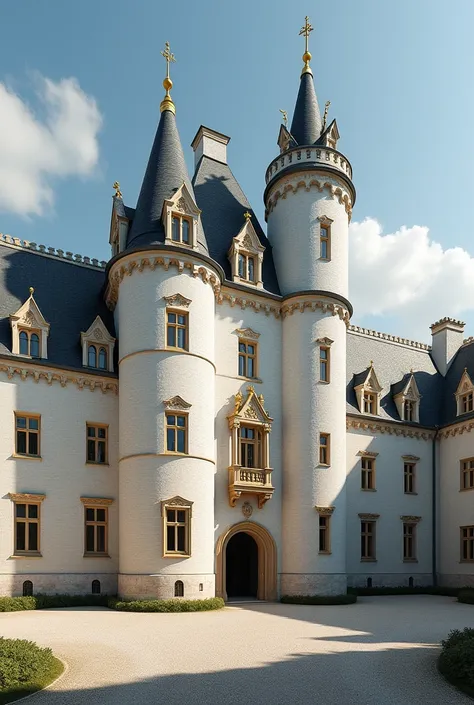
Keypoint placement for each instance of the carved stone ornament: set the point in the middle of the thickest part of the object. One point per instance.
(247, 242)
(368, 517)
(410, 458)
(176, 501)
(367, 453)
(177, 403)
(247, 333)
(177, 300)
(97, 501)
(181, 205)
(324, 341)
(26, 497)
(409, 518)
(250, 413)
(247, 510)
(30, 319)
(98, 335)
(325, 511)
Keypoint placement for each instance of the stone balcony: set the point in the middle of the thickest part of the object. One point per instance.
(254, 481)
(312, 156)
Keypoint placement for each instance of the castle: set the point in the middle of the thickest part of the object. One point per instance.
(198, 416)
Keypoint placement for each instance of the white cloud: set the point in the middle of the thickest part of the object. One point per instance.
(34, 151)
(408, 276)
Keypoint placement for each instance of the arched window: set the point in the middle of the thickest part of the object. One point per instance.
(369, 582)
(102, 359)
(34, 345)
(92, 356)
(96, 587)
(27, 588)
(411, 582)
(29, 343)
(179, 588)
(24, 343)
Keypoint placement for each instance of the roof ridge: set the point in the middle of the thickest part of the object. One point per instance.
(53, 252)
(389, 338)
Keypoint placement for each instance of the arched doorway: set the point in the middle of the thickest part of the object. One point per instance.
(241, 566)
(266, 559)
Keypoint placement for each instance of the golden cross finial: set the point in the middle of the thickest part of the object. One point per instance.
(247, 215)
(305, 30)
(116, 186)
(167, 102)
(284, 116)
(169, 57)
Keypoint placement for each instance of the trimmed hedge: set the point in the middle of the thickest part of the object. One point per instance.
(176, 605)
(405, 590)
(466, 595)
(25, 668)
(456, 662)
(348, 599)
(40, 602)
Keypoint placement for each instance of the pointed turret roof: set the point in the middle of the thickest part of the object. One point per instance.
(306, 124)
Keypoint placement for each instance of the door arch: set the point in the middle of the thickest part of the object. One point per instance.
(267, 560)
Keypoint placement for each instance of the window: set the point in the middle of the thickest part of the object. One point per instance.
(27, 431)
(324, 353)
(96, 521)
(325, 242)
(97, 444)
(250, 447)
(177, 329)
(30, 343)
(409, 541)
(179, 588)
(27, 527)
(467, 543)
(324, 542)
(181, 229)
(370, 403)
(467, 474)
(324, 449)
(97, 357)
(409, 472)
(467, 403)
(408, 410)
(331, 143)
(177, 530)
(95, 587)
(367, 478)
(247, 359)
(246, 267)
(367, 540)
(27, 588)
(177, 433)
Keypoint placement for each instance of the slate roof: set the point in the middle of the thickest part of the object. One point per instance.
(306, 123)
(165, 173)
(223, 204)
(464, 358)
(69, 297)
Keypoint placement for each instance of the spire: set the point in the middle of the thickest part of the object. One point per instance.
(165, 174)
(306, 124)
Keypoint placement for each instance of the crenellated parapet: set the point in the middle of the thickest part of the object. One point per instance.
(54, 252)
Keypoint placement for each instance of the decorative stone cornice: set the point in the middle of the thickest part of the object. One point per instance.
(51, 252)
(457, 429)
(325, 511)
(392, 428)
(176, 501)
(389, 338)
(368, 517)
(368, 453)
(133, 264)
(176, 403)
(247, 333)
(410, 458)
(302, 305)
(447, 322)
(324, 341)
(26, 497)
(306, 181)
(410, 518)
(64, 377)
(177, 300)
(244, 302)
(97, 501)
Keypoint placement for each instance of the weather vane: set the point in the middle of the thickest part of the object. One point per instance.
(167, 102)
(284, 115)
(325, 116)
(305, 31)
(116, 186)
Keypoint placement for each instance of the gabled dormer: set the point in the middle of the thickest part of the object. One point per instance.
(407, 399)
(30, 330)
(98, 347)
(246, 255)
(180, 219)
(368, 392)
(465, 394)
(330, 136)
(285, 140)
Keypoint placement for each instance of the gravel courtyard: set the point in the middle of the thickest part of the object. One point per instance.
(382, 650)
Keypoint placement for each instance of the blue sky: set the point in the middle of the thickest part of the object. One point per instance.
(398, 76)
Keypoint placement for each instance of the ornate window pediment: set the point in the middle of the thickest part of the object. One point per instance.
(250, 471)
(332, 135)
(30, 330)
(177, 300)
(176, 403)
(465, 394)
(285, 141)
(98, 347)
(368, 392)
(246, 255)
(181, 218)
(408, 401)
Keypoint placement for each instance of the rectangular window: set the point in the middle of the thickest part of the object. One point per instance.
(367, 540)
(250, 447)
(97, 437)
(324, 537)
(176, 531)
(247, 359)
(409, 542)
(325, 242)
(27, 527)
(177, 329)
(27, 435)
(408, 410)
(467, 403)
(181, 229)
(324, 449)
(467, 543)
(96, 529)
(409, 473)
(177, 433)
(467, 474)
(367, 477)
(246, 267)
(369, 403)
(324, 364)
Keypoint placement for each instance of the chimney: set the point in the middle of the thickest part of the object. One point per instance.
(447, 338)
(209, 143)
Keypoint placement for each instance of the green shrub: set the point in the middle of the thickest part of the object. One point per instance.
(176, 605)
(466, 595)
(15, 604)
(25, 667)
(50, 601)
(456, 661)
(405, 590)
(347, 599)
(456, 636)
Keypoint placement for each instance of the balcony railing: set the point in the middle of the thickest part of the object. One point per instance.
(257, 481)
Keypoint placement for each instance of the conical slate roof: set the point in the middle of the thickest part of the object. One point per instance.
(306, 125)
(165, 174)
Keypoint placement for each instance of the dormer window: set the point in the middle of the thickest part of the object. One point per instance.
(30, 330)
(30, 343)
(332, 135)
(97, 357)
(465, 394)
(467, 403)
(247, 267)
(370, 403)
(98, 347)
(181, 229)
(246, 255)
(368, 391)
(408, 410)
(407, 399)
(180, 219)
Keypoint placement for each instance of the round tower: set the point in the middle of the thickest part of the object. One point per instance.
(162, 285)
(308, 200)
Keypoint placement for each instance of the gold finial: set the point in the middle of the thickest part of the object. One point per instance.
(371, 363)
(261, 399)
(167, 102)
(237, 401)
(118, 193)
(32, 291)
(247, 215)
(325, 116)
(284, 115)
(305, 30)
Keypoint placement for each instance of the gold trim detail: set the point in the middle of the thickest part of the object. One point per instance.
(393, 429)
(166, 455)
(325, 511)
(63, 378)
(409, 518)
(97, 501)
(26, 497)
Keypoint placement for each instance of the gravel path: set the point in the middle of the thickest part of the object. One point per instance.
(381, 651)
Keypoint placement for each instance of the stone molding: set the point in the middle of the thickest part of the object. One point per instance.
(307, 181)
(288, 309)
(176, 403)
(176, 501)
(410, 518)
(367, 453)
(389, 338)
(247, 333)
(97, 501)
(368, 517)
(51, 252)
(177, 300)
(458, 429)
(392, 428)
(410, 458)
(325, 511)
(26, 497)
(324, 341)
(64, 378)
(245, 302)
